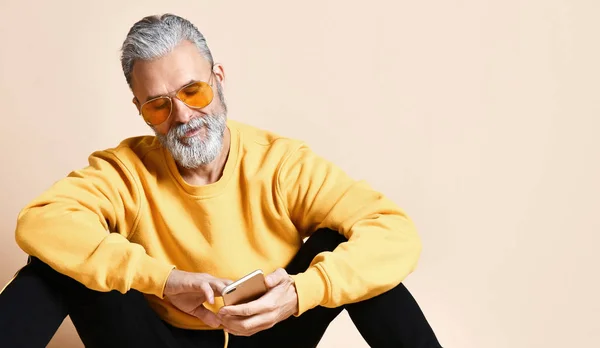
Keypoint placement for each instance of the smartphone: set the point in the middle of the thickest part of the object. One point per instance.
(246, 289)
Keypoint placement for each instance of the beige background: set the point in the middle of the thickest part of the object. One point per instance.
(480, 118)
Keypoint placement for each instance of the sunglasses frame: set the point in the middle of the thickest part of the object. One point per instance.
(170, 98)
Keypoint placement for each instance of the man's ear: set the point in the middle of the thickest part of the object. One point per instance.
(219, 73)
(137, 103)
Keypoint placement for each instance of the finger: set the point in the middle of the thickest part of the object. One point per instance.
(249, 326)
(208, 292)
(208, 317)
(280, 275)
(264, 304)
(219, 285)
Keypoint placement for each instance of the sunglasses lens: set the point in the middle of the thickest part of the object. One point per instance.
(196, 95)
(157, 111)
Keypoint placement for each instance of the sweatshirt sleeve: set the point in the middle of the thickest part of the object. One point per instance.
(383, 247)
(80, 225)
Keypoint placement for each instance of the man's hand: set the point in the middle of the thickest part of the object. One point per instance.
(279, 303)
(188, 291)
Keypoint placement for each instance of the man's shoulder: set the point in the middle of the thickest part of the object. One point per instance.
(131, 150)
(261, 138)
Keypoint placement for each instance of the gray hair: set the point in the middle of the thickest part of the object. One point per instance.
(155, 36)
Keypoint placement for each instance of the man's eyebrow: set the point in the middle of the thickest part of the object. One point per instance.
(162, 95)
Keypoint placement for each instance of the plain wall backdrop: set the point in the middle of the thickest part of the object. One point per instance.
(480, 118)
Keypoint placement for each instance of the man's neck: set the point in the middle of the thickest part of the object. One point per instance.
(211, 172)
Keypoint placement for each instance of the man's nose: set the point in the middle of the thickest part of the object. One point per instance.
(181, 112)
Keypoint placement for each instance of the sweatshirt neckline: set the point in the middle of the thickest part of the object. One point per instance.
(213, 189)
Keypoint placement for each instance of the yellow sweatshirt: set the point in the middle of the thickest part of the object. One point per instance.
(128, 218)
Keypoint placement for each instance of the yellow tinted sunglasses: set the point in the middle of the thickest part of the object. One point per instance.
(195, 95)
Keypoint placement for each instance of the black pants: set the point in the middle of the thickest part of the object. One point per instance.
(36, 302)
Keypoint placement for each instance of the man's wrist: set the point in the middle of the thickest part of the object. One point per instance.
(311, 288)
(295, 295)
(168, 283)
(150, 276)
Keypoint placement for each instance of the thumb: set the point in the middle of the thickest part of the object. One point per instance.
(276, 277)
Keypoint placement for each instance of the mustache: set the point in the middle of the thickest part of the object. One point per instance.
(193, 124)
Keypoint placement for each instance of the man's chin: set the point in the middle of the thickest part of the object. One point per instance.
(186, 141)
(188, 165)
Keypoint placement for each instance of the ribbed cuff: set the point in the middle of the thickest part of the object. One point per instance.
(311, 287)
(151, 276)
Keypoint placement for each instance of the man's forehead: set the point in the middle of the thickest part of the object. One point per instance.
(169, 73)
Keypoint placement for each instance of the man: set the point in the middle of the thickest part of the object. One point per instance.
(138, 246)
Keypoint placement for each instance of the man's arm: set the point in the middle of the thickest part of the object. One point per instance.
(68, 227)
(383, 246)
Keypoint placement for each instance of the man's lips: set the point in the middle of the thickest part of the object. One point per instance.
(192, 132)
